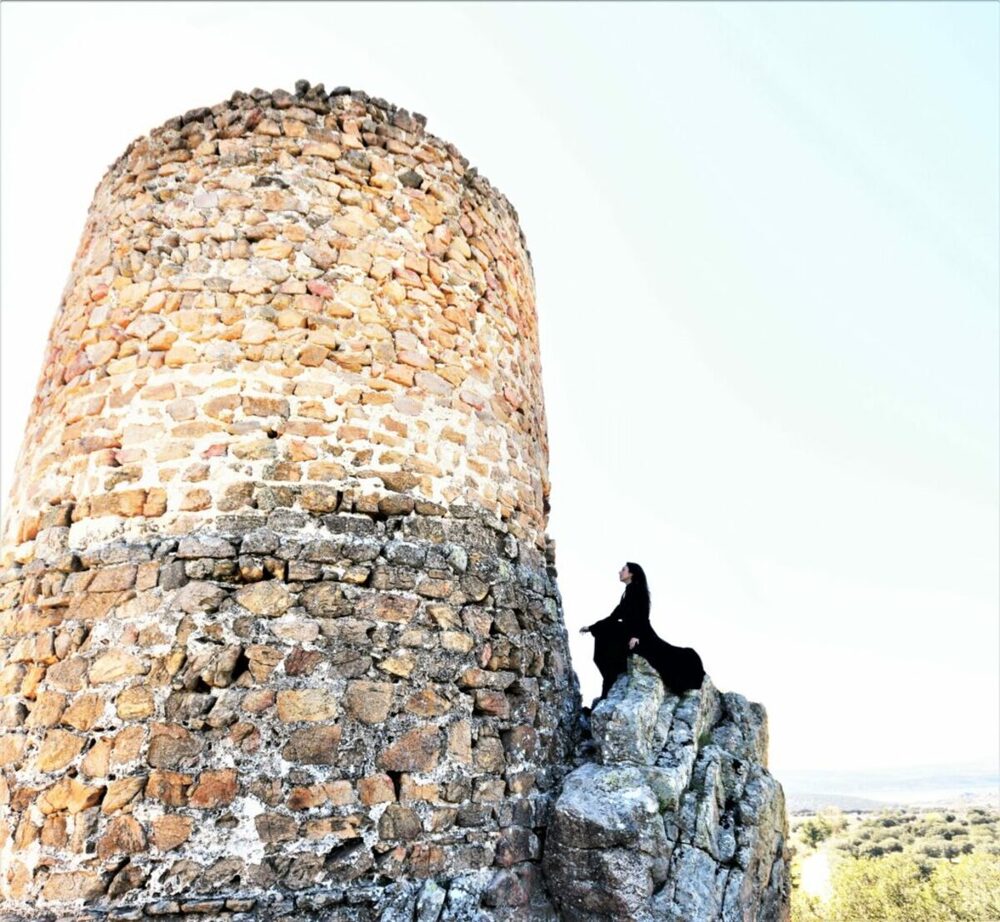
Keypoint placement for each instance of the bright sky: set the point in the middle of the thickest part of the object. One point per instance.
(765, 241)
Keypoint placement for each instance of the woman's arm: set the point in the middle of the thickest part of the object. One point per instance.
(614, 618)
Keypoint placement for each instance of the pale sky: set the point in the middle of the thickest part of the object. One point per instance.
(765, 245)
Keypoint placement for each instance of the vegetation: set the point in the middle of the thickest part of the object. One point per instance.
(900, 866)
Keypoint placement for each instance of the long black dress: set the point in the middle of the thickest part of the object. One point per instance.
(679, 667)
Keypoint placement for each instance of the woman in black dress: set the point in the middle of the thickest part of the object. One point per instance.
(627, 629)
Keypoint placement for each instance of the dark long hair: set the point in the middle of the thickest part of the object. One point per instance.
(637, 590)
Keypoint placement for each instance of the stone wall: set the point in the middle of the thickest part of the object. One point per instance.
(284, 299)
(279, 631)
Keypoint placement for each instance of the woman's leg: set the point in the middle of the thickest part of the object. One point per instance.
(610, 668)
(609, 655)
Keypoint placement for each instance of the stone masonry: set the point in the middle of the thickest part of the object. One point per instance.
(279, 630)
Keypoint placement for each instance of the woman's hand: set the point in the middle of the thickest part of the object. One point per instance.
(633, 642)
(585, 630)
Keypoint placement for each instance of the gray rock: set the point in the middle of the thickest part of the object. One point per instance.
(398, 905)
(698, 888)
(464, 896)
(51, 543)
(624, 723)
(405, 553)
(198, 596)
(204, 546)
(458, 558)
(172, 575)
(677, 818)
(260, 541)
(430, 902)
(361, 549)
(606, 823)
(603, 806)
(411, 179)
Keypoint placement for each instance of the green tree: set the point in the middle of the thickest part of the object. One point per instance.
(815, 830)
(887, 889)
(968, 889)
(898, 888)
(926, 867)
(806, 908)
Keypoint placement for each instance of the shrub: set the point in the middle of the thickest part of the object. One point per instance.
(968, 889)
(900, 888)
(815, 831)
(887, 889)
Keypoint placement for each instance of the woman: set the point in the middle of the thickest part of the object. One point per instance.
(627, 629)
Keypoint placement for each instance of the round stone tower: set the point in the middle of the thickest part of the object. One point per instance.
(279, 630)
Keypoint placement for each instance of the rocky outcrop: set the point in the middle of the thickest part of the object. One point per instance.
(671, 814)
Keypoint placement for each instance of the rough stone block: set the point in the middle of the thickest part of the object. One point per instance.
(416, 751)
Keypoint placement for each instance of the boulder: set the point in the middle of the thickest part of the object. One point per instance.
(671, 813)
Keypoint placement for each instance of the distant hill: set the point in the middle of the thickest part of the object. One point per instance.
(807, 802)
(962, 785)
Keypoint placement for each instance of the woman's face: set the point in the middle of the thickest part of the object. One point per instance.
(624, 575)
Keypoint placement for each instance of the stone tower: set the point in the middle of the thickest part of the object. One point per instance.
(280, 632)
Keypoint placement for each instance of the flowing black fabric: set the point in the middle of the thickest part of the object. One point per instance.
(679, 667)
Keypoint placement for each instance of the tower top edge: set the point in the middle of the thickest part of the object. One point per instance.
(382, 114)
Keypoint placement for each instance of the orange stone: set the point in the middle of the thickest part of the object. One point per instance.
(121, 792)
(156, 502)
(127, 744)
(427, 703)
(12, 747)
(54, 831)
(411, 791)
(304, 798)
(416, 751)
(47, 710)
(130, 502)
(74, 885)
(368, 702)
(97, 761)
(84, 711)
(135, 702)
(341, 793)
(10, 678)
(214, 789)
(168, 787)
(169, 831)
(376, 789)
(58, 749)
(114, 666)
(70, 795)
(308, 704)
(123, 836)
